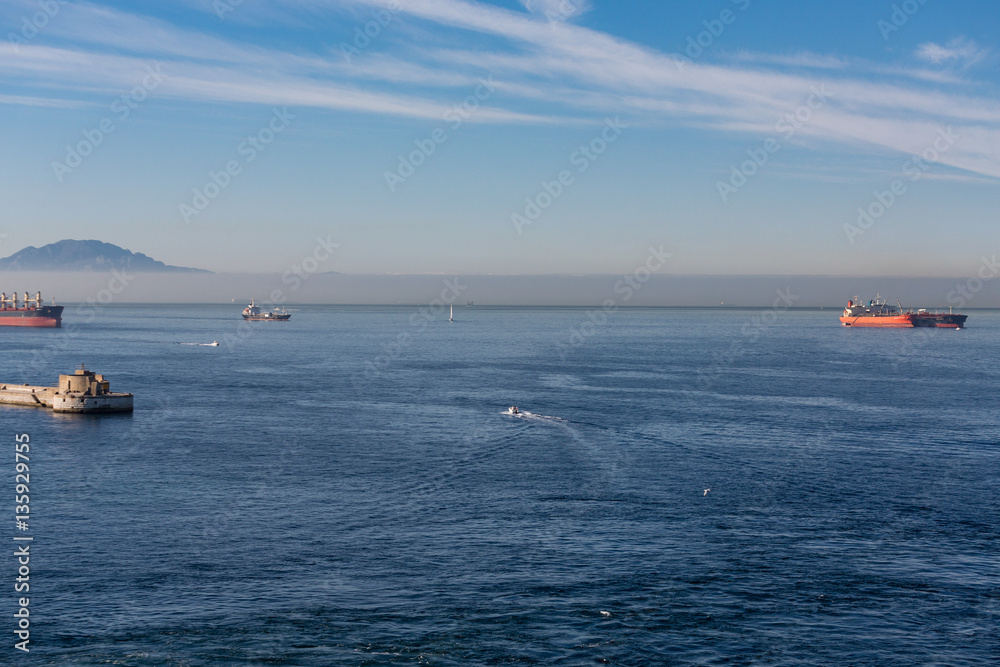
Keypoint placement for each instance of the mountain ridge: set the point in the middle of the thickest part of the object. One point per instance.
(87, 255)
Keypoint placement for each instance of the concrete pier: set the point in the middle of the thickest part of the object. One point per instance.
(83, 391)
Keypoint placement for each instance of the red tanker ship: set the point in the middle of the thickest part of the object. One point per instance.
(31, 314)
(879, 313)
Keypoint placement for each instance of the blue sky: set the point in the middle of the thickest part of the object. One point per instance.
(669, 98)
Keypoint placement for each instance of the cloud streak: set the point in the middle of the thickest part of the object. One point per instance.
(547, 71)
(557, 10)
(960, 51)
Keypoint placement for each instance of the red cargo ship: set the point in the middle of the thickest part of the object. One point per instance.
(31, 314)
(879, 313)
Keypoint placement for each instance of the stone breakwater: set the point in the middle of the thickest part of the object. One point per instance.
(83, 391)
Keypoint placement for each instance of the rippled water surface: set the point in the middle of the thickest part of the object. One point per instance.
(342, 489)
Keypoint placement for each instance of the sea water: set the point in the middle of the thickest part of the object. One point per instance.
(344, 489)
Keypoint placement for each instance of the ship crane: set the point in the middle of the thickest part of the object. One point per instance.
(31, 312)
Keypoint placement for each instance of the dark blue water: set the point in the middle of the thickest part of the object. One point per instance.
(342, 489)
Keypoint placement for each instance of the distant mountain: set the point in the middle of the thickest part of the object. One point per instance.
(71, 255)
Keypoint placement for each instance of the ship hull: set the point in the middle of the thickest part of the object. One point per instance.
(907, 321)
(942, 320)
(271, 318)
(882, 322)
(46, 316)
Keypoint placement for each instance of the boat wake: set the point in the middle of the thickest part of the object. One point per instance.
(214, 343)
(579, 443)
(524, 414)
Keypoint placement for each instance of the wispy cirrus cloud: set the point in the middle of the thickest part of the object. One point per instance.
(43, 102)
(546, 72)
(960, 51)
(801, 59)
(557, 10)
(873, 115)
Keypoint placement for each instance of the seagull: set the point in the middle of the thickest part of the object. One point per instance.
(706, 493)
